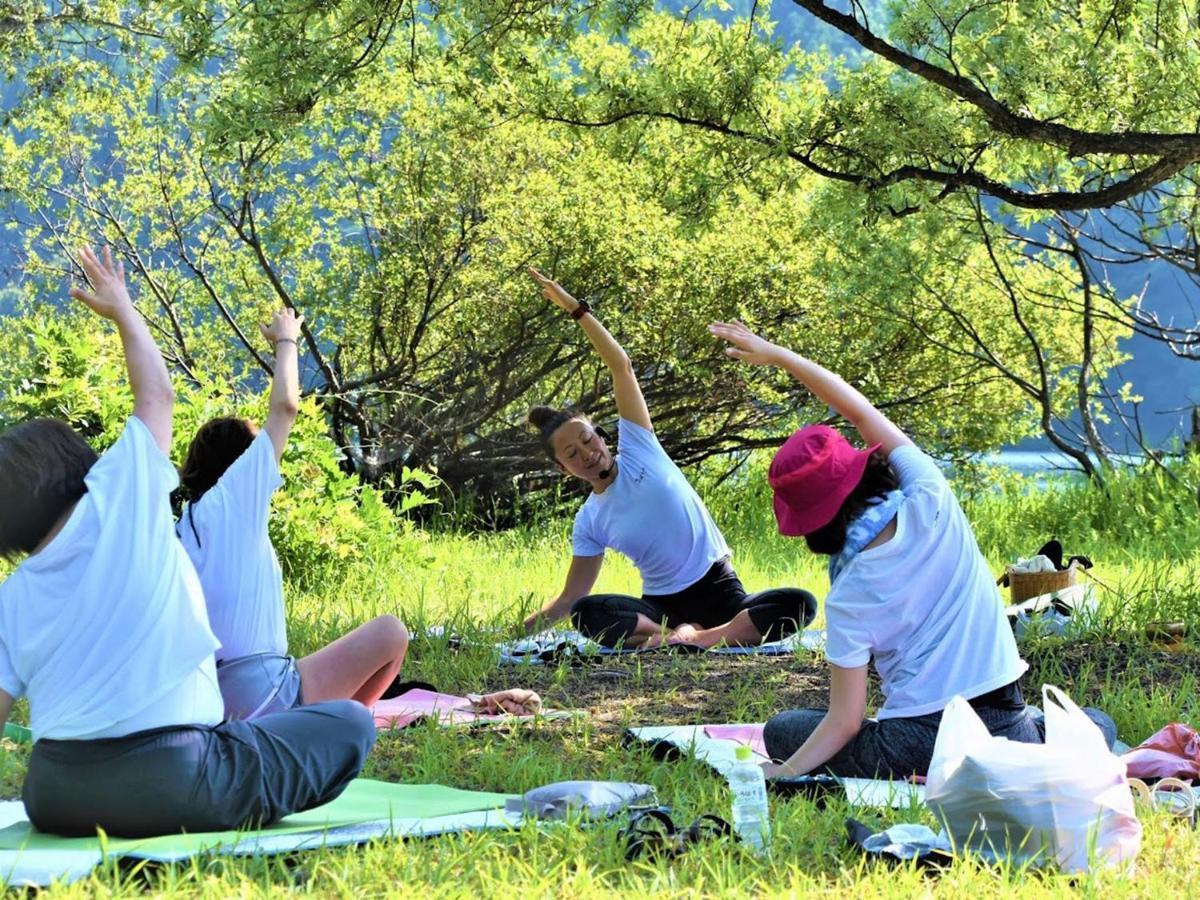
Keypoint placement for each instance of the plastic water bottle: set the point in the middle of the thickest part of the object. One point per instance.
(751, 816)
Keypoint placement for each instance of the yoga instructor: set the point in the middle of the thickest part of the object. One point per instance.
(642, 505)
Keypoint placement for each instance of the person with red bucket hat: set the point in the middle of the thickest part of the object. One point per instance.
(909, 589)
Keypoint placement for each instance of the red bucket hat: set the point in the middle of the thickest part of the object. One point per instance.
(812, 474)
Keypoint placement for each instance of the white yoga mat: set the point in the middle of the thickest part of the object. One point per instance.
(719, 754)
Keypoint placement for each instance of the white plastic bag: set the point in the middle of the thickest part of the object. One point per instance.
(1065, 801)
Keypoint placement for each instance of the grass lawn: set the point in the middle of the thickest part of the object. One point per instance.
(474, 583)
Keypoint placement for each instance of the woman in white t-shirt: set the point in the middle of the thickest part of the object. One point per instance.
(229, 476)
(909, 589)
(103, 628)
(644, 507)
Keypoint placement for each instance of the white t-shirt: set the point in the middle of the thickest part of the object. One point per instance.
(105, 630)
(923, 604)
(652, 515)
(225, 534)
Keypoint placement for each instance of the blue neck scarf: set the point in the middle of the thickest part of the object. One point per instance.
(865, 529)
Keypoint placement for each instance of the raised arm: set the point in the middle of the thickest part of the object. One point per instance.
(830, 389)
(631, 405)
(153, 396)
(284, 334)
(581, 577)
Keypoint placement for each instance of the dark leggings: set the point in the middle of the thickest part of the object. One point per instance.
(897, 748)
(716, 598)
(198, 778)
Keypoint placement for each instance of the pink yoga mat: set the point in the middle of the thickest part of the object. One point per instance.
(418, 704)
(1172, 752)
(750, 735)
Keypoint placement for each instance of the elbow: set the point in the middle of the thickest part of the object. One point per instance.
(845, 727)
(162, 397)
(622, 364)
(287, 408)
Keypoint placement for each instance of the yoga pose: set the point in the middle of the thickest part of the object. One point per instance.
(103, 628)
(229, 476)
(909, 589)
(643, 506)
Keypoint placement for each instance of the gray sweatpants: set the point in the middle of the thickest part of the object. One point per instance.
(897, 748)
(198, 778)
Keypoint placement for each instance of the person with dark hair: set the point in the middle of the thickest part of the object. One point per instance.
(908, 589)
(103, 628)
(229, 476)
(643, 506)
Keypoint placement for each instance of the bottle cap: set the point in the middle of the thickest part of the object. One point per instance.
(743, 753)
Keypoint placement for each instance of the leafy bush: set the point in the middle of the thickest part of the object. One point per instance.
(70, 367)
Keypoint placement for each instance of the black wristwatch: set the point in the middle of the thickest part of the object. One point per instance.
(581, 310)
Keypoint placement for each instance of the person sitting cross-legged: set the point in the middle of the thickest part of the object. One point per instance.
(642, 505)
(229, 476)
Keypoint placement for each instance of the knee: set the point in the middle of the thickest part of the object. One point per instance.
(597, 618)
(392, 634)
(358, 726)
(1104, 722)
(773, 733)
(786, 731)
(588, 613)
(806, 606)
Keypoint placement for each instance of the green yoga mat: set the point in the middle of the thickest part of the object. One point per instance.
(18, 733)
(363, 801)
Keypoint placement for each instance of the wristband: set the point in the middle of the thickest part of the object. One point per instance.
(286, 341)
(581, 310)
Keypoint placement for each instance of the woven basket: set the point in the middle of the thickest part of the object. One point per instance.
(1024, 585)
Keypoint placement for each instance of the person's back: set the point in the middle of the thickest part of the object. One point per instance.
(229, 475)
(226, 537)
(104, 628)
(923, 604)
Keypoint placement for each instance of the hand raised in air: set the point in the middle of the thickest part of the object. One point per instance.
(108, 296)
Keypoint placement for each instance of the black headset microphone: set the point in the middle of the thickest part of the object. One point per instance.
(605, 474)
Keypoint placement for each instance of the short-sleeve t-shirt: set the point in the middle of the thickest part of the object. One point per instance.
(104, 629)
(923, 604)
(225, 534)
(651, 514)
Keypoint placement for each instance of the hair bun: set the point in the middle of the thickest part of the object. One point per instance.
(540, 416)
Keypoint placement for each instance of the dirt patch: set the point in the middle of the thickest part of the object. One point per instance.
(688, 689)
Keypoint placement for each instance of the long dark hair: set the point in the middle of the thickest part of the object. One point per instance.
(213, 450)
(878, 480)
(547, 420)
(43, 464)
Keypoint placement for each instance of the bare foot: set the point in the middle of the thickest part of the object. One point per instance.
(517, 702)
(686, 633)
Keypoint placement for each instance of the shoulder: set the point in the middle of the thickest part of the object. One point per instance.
(134, 448)
(914, 468)
(631, 434)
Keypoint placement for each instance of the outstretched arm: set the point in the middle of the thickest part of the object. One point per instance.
(631, 405)
(581, 577)
(153, 396)
(830, 389)
(283, 333)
